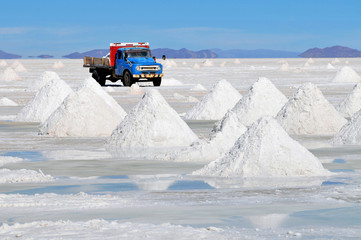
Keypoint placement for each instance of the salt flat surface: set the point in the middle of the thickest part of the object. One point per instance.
(89, 193)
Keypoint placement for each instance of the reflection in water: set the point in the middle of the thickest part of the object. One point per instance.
(274, 220)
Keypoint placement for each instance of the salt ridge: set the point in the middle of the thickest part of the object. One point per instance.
(350, 133)
(45, 78)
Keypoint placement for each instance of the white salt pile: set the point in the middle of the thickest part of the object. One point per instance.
(58, 65)
(169, 63)
(306, 64)
(308, 112)
(20, 68)
(198, 87)
(183, 98)
(352, 103)
(22, 176)
(335, 60)
(330, 66)
(196, 66)
(223, 64)
(310, 61)
(346, 74)
(88, 112)
(45, 102)
(216, 103)
(237, 61)
(152, 123)
(223, 136)
(208, 63)
(350, 133)
(285, 67)
(7, 102)
(262, 99)
(45, 78)
(8, 159)
(135, 89)
(265, 150)
(15, 64)
(171, 82)
(3, 63)
(9, 75)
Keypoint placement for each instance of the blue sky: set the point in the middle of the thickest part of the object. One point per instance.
(34, 27)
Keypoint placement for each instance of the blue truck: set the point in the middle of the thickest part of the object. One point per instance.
(128, 62)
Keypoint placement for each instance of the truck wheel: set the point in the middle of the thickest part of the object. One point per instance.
(157, 82)
(99, 78)
(127, 79)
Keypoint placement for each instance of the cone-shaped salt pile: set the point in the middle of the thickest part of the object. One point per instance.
(89, 112)
(285, 67)
(208, 63)
(58, 65)
(330, 66)
(7, 102)
(135, 89)
(262, 99)
(308, 112)
(20, 68)
(346, 74)
(152, 123)
(3, 63)
(265, 150)
(9, 75)
(310, 60)
(352, 102)
(216, 103)
(45, 102)
(350, 133)
(45, 77)
(196, 66)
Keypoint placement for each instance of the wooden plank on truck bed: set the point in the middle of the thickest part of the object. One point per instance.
(105, 61)
(97, 61)
(88, 61)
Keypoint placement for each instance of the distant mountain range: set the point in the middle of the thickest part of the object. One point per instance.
(331, 52)
(5, 55)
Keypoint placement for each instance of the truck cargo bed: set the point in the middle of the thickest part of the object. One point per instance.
(96, 62)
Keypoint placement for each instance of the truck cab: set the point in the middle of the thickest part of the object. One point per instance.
(136, 64)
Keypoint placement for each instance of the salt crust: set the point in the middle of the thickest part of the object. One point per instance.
(265, 150)
(223, 136)
(183, 98)
(213, 106)
(152, 123)
(45, 102)
(7, 102)
(350, 133)
(171, 82)
(346, 74)
(9, 75)
(45, 78)
(100, 229)
(352, 103)
(308, 112)
(262, 99)
(23, 175)
(88, 112)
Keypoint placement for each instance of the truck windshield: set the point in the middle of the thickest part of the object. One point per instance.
(141, 53)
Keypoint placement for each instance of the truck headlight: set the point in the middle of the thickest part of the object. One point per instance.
(138, 68)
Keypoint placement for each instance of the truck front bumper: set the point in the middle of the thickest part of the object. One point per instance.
(148, 75)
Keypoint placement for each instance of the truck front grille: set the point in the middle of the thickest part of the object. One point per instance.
(148, 68)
